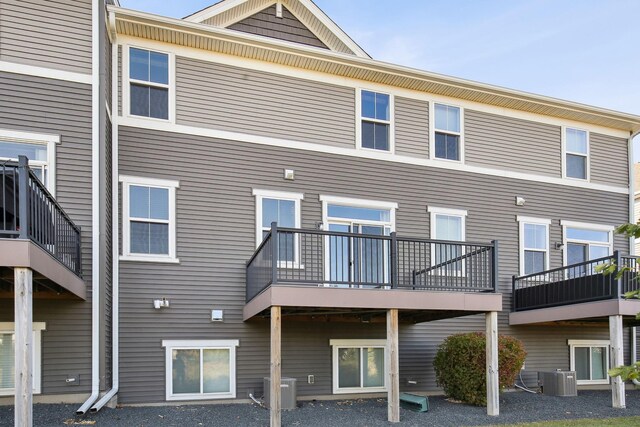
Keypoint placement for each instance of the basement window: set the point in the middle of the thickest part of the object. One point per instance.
(590, 361)
(200, 369)
(359, 366)
(7, 357)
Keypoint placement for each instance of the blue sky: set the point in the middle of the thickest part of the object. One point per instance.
(582, 50)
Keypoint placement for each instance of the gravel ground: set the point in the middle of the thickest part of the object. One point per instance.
(515, 407)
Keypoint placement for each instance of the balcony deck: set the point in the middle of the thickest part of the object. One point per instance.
(576, 292)
(35, 232)
(320, 274)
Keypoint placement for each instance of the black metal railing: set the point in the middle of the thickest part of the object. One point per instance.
(338, 259)
(29, 211)
(574, 283)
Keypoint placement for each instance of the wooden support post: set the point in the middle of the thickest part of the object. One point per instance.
(493, 387)
(23, 278)
(275, 396)
(393, 366)
(617, 359)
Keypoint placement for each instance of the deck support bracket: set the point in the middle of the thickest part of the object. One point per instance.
(617, 359)
(23, 304)
(493, 386)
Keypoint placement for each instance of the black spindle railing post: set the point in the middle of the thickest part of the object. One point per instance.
(274, 252)
(394, 260)
(79, 251)
(494, 265)
(514, 306)
(617, 284)
(23, 197)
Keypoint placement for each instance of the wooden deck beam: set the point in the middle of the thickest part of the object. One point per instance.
(23, 279)
(393, 366)
(493, 386)
(617, 359)
(275, 395)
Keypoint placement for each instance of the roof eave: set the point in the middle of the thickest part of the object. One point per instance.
(625, 121)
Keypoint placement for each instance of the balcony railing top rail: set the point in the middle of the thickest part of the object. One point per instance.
(29, 211)
(575, 283)
(352, 260)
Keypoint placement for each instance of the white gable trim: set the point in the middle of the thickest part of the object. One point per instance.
(323, 19)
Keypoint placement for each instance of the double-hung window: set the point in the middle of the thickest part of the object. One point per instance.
(447, 224)
(149, 83)
(358, 366)
(375, 115)
(7, 357)
(447, 136)
(200, 369)
(149, 221)
(38, 148)
(282, 208)
(590, 361)
(534, 245)
(576, 152)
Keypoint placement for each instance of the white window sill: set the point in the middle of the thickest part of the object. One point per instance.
(360, 390)
(375, 150)
(592, 382)
(199, 396)
(157, 259)
(153, 119)
(441, 159)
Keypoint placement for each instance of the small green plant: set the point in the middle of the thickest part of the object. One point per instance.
(460, 365)
(631, 372)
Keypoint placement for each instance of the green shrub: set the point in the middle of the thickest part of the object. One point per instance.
(460, 365)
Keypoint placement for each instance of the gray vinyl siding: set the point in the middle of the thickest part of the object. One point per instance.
(253, 102)
(502, 142)
(411, 127)
(47, 33)
(609, 160)
(35, 104)
(216, 236)
(288, 28)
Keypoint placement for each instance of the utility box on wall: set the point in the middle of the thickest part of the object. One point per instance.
(289, 390)
(558, 383)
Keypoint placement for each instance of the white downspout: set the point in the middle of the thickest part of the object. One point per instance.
(632, 220)
(95, 208)
(115, 242)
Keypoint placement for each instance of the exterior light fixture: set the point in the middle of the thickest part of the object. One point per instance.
(520, 201)
(289, 174)
(160, 303)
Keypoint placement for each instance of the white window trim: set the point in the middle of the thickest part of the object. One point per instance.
(39, 139)
(435, 211)
(171, 345)
(390, 122)
(126, 82)
(565, 152)
(589, 343)
(37, 327)
(522, 220)
(586, 226)
(360, 343)
(358, 203)
(279, 195)
(433, 130)
(171, 185)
